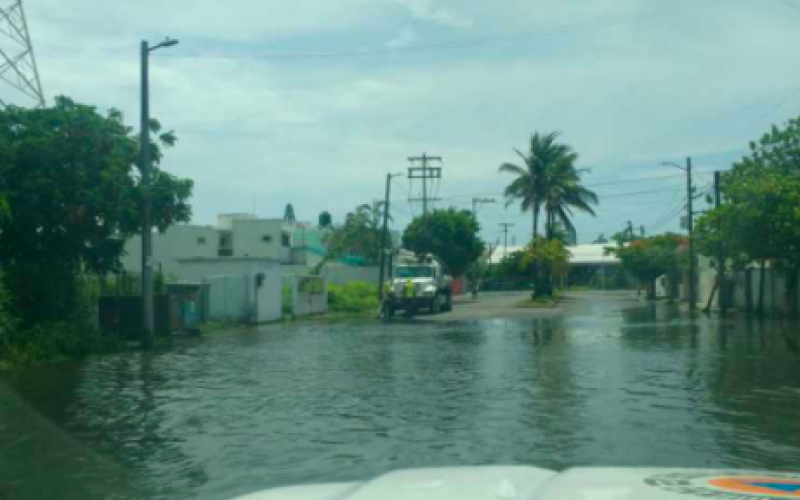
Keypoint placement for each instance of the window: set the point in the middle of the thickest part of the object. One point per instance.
(286, 239)
(266, 238)
(201, 240)
(414, 272)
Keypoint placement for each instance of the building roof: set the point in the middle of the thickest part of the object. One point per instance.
(580, 254)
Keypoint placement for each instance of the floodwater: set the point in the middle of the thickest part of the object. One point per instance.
(613, 382)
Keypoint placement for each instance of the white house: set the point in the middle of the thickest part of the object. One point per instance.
(234, 236)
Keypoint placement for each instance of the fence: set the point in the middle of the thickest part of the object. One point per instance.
(742, 291)
(122, 315)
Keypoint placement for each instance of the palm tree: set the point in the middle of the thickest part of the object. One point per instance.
(548, 180)
(563, 193)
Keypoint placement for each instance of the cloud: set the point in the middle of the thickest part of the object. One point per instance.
(406, 37)
(629, 85)
(424, 10)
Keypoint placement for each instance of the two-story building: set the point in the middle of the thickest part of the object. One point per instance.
(236, 236)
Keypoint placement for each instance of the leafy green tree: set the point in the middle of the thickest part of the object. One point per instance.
(759, 222)
(451, 235)
(549, 259)
(360, 235)
(649, 258)
(548, 180)
(73, 195)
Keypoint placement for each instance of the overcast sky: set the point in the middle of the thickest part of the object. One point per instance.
(313, 101)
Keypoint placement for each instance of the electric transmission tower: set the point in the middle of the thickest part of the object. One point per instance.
(17, 62)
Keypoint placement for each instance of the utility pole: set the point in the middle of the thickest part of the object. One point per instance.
(476, 202)
(630, 231)
(505, 226)
(147, 201)
(641, 229)
(385, 233)
(690, 225)
(723, 303)
(425, 173)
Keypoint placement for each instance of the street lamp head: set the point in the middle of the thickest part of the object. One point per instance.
(168, 42)
(671, 164)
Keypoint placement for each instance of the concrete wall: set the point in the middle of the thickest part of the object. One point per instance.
(745, 293)
(262, 238)
(179, 242)
(341, 274)
(234, 294)
(305, 303)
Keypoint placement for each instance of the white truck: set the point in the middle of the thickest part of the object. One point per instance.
(420, 283)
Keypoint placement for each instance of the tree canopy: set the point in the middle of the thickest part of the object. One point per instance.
(451, 235)
(649, 258)
(360, 235)
(548, 180)
(759, 219)
(72, 191)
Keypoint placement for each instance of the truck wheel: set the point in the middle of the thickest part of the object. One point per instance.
(448, 303)
(436, 304)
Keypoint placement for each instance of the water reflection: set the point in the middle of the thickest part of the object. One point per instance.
(612, 383)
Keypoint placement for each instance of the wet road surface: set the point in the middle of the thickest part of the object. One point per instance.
(610, 381)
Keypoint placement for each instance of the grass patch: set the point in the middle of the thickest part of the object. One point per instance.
(541, 302)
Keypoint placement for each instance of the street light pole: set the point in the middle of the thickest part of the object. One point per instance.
(147, 201)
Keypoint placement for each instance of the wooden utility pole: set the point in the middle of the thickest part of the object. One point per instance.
(723, 303)
(690, 226)
(425, 172)
(505, 226)
(385, 233)
(476, 202)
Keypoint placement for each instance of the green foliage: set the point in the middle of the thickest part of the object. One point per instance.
(551, 255)
(649, 258)
(547, 259)
(360, 235)
(759, 219)
(549, 181)
(353, 298)
(70, 181)
(451, 235)
(8, 323)
(50, 342)
(287, 300)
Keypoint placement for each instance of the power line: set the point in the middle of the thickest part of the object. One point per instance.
(476, 42)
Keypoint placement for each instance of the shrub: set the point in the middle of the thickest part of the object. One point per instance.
(354, 298)
(287, 299)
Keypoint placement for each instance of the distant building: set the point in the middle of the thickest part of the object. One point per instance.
(234, 236)
(296, 247)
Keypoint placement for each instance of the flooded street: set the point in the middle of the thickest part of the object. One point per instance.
(612, 381)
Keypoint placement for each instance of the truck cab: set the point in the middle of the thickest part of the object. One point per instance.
(422, 284)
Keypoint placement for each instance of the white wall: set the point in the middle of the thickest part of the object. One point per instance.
(249, 235)
(179, 242)
(234, 293)
(307, 304)
(341, 274)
